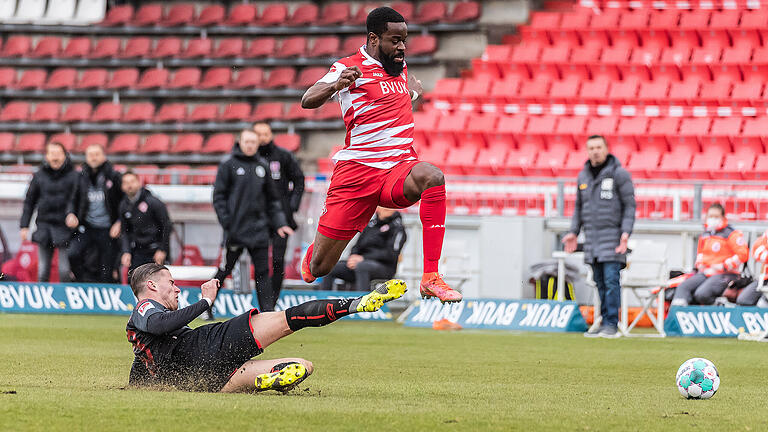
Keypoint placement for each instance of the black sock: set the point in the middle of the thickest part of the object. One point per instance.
(317, 313)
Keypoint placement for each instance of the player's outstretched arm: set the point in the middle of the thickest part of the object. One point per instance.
(320, 92)
(168, 321)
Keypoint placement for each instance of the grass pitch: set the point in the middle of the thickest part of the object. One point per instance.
(69, 373)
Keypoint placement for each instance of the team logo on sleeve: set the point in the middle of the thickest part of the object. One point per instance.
(274, 166)
(144, 307)
(143, 207)
(260, 171)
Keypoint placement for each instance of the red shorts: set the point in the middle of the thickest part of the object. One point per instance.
(355, 192)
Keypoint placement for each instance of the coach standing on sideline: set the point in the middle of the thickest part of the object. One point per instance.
(605, 208)
(145, 226)
(49, 191)
(249, 209)
(95, 207)
(287, 175)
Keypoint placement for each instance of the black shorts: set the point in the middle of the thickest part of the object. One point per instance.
(205, 358)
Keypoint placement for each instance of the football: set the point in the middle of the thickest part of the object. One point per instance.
(697, 378)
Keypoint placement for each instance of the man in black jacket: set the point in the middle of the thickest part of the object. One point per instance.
(289, 180)
(95, 208)
(249, 209)
(49, 192)
(375, 254)
(144, 223)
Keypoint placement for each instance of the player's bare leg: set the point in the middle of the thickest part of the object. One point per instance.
(427, 183)
(321, 256)
(278, 374)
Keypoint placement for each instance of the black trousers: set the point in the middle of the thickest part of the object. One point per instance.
(92, 255)
(362, 275)
(279, 244)
(260, 260)
(142, 255)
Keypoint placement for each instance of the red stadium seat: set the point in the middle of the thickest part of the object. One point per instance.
(185, 78)
(205, 175)
(632, 126)
(406, 9)
(526, 53)
(172, 112)
(140, 112)
(217, 77)
(241, 14)
(325, 46)
(280, 77)
(148, 15)
(167, 47)
(240, 111)
(31, 79)
(643, 162)
(694, 126)
(422, 44)
(757, 127)
(267, 111)
(430, 12)
(156, 143)
(463, 12)
(204, 112)
(747, 91)
(490, 160)
(273, 15)
(624, 90)
(334, 13)
(636, 19)
(594, 90)
(615, 55)
(47, 47)
(737, 55)
(717, 91)
(352, 44)
(574, 125)
(7, 77)
(295, 112)
(653, 91)
(735, 165)
(601, 125)
(180, 14)
(540, 125)
(118, 15)
(125, 143)
(310, 75)
(16, 46)
(460, 160)
(290, 142)
(188, 143)
(362, 13)
(706, 55)
(153, 78)
(686, 90)
(197, 48)
(557, 54)
(77, 112)
(107, 112)
(149, 174)
(106, 48)
(46, 112)
(66, 139)
(177, 174)
(211, 15)
(230, 47)
(31, 143)
(99, 139)
(15, 112)
(294, 46)
(328, 111)
(77, 47)
(63, 78)
(262, 47)
(219, 143)
(447, 88)
(249, 78)
(304, 14)
(585, 54)
(94, 78)
(137, 47)
(7, 140)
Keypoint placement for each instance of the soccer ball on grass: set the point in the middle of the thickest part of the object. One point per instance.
(697, 378)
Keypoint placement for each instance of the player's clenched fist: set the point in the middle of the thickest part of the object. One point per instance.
(210, 289)
(348, 76)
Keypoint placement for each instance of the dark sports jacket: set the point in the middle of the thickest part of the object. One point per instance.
(50, 191)
(113, 193)
(144, 223)
(246, 200)
(382, 240)
(287, 176)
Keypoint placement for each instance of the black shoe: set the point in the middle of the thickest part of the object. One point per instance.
(609, 332)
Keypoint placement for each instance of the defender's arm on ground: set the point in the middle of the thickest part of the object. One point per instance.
(321, 91)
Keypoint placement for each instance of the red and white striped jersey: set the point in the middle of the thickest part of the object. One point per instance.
(377, 113)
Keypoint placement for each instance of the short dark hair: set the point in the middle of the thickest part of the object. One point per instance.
(718, 206)
(600, 137)
(378, 18)
(141, 274)
(253, 126)
(57, 144)
(132, 173)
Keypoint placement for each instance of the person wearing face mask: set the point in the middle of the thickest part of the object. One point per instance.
(49, 192)
(720, 253)
(95, 212)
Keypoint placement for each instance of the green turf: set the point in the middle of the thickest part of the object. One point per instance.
(69, 372)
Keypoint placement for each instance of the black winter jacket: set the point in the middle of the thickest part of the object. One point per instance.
(111, 181)
(50, 191)
(246, 200)
(382, 240)
(144, 223)
(287, 176)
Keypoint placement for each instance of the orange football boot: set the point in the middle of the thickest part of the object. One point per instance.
(433, 285)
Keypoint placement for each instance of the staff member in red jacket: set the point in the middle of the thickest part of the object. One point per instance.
(720, 253)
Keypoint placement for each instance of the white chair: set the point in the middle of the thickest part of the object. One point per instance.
(646, 269)
(30, 11)
(58, 11)
(761, 336)
(89, 12)
(7, 9)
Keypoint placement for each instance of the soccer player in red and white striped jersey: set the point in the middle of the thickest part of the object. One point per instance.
(378, 165)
